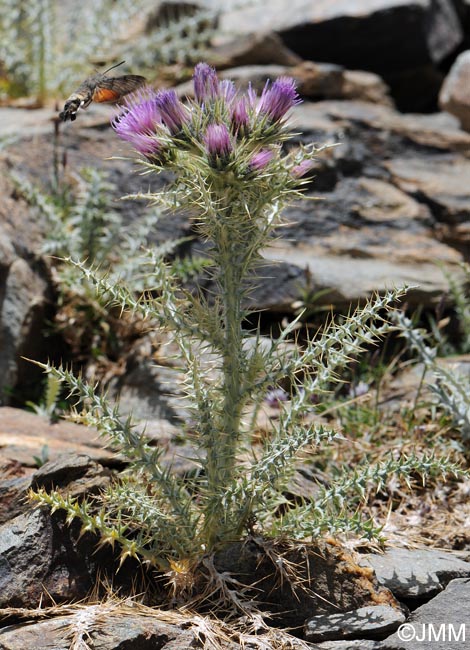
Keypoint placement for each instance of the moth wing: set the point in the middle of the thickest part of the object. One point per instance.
(111, 89)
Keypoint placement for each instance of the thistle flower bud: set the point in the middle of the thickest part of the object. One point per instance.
(217, 142)
(261, 159)
(173, 113)
(206, 83)
(302, 168)
(277, 99)
(240, 117)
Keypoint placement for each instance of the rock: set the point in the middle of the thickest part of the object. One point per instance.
(327, 579)
(24, 299)
(45, 561)
(439, 131)
(444, 184)
(311, 28)
(39, 563)
(314, 80)
(416, 573)
(365, 86)
(24, 435)
(463, 10)
(397, 39)
(342, 279)
(78, 474)
(375, 621)
(19, 120)
(455, 92)
(252, 48)
(463, 6)
(108, 626)
(359, 644)
(375, 228)
(440, 624)
(364, 232)
(152, 390)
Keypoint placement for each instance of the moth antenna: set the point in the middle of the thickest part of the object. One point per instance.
(113, 66)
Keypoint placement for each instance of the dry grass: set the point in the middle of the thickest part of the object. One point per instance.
(84, 621)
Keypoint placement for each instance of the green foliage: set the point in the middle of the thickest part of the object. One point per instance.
(48, 406)
(46, 46)
(81, 222)
(460, 292)
(333, 508)
(234, 182)
(43, 458)
(179, 35)
(451, 388)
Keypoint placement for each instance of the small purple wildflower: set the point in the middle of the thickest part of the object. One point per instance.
(217, 141)
(277, 99)
(302, 168)
(240, 118)
(261, 159)
(173, 112)
(206, 83)
(137, 124)
(275, 396)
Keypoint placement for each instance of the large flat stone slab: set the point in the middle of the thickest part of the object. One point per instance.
(441, 624)
(416, 573)
(366, 622)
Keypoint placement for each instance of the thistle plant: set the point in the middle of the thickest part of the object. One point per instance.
(233, 177)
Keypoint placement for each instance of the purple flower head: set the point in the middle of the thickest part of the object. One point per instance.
(148, 145)
(137, 118)
(227, 90)
(137, 124)
(217, 141)
(277, 99)
(302, 168)
(172, 111)
(206, 83)
(240, 117)
(261, 159)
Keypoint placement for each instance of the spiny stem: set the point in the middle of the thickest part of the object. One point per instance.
(221, 459)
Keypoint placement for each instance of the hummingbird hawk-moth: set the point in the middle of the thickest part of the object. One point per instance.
(100, 88)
